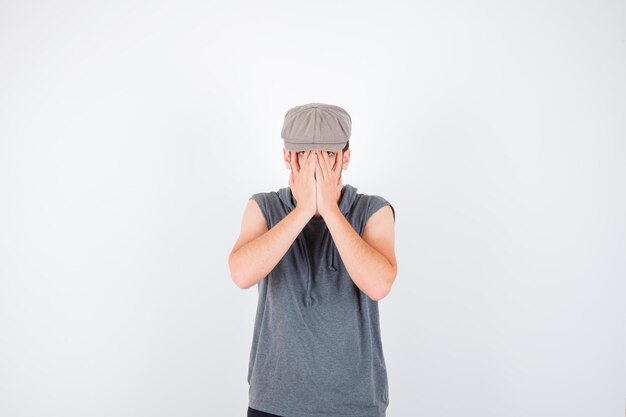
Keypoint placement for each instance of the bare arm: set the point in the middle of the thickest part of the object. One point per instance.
(258, 250)
(370, 260)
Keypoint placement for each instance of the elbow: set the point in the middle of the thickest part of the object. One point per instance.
(239, 281)
(236, 274)
(384, 289)
(380, 294)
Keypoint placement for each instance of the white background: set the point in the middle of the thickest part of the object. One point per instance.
(133, 133)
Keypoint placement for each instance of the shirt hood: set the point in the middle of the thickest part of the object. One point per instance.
(348, 196)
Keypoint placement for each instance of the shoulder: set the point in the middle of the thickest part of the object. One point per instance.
(374, 203)
(263, 195)
(270, 205)
(264, 198)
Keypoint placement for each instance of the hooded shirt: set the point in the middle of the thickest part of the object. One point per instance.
(316, 347)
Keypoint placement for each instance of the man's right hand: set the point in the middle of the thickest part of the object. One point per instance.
(302, 180)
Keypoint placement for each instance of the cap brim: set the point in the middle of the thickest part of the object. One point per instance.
(297, 147)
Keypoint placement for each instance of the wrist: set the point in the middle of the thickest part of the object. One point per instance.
(330, 211)
(303, 213)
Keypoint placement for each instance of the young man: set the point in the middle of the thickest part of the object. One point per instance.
(323, 256)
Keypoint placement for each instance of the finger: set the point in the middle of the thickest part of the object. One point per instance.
(313, 162)
(324, 156)
(324, 163)
(313, 157)
(321, 168)
(338, 160)
(332, 163)
(303, 159)
(297, 162)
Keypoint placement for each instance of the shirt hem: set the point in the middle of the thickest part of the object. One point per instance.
(269, 408)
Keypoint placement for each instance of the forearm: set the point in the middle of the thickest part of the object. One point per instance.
(256, 259)
(368, 268)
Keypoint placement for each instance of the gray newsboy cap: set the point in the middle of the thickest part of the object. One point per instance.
(316, 126)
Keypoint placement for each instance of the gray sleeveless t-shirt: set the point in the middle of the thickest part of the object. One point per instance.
(316, 348)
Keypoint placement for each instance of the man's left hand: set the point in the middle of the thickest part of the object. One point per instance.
(327, 180)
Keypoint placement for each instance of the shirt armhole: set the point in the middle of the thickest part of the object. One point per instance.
(261, 201)
(376, 203)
